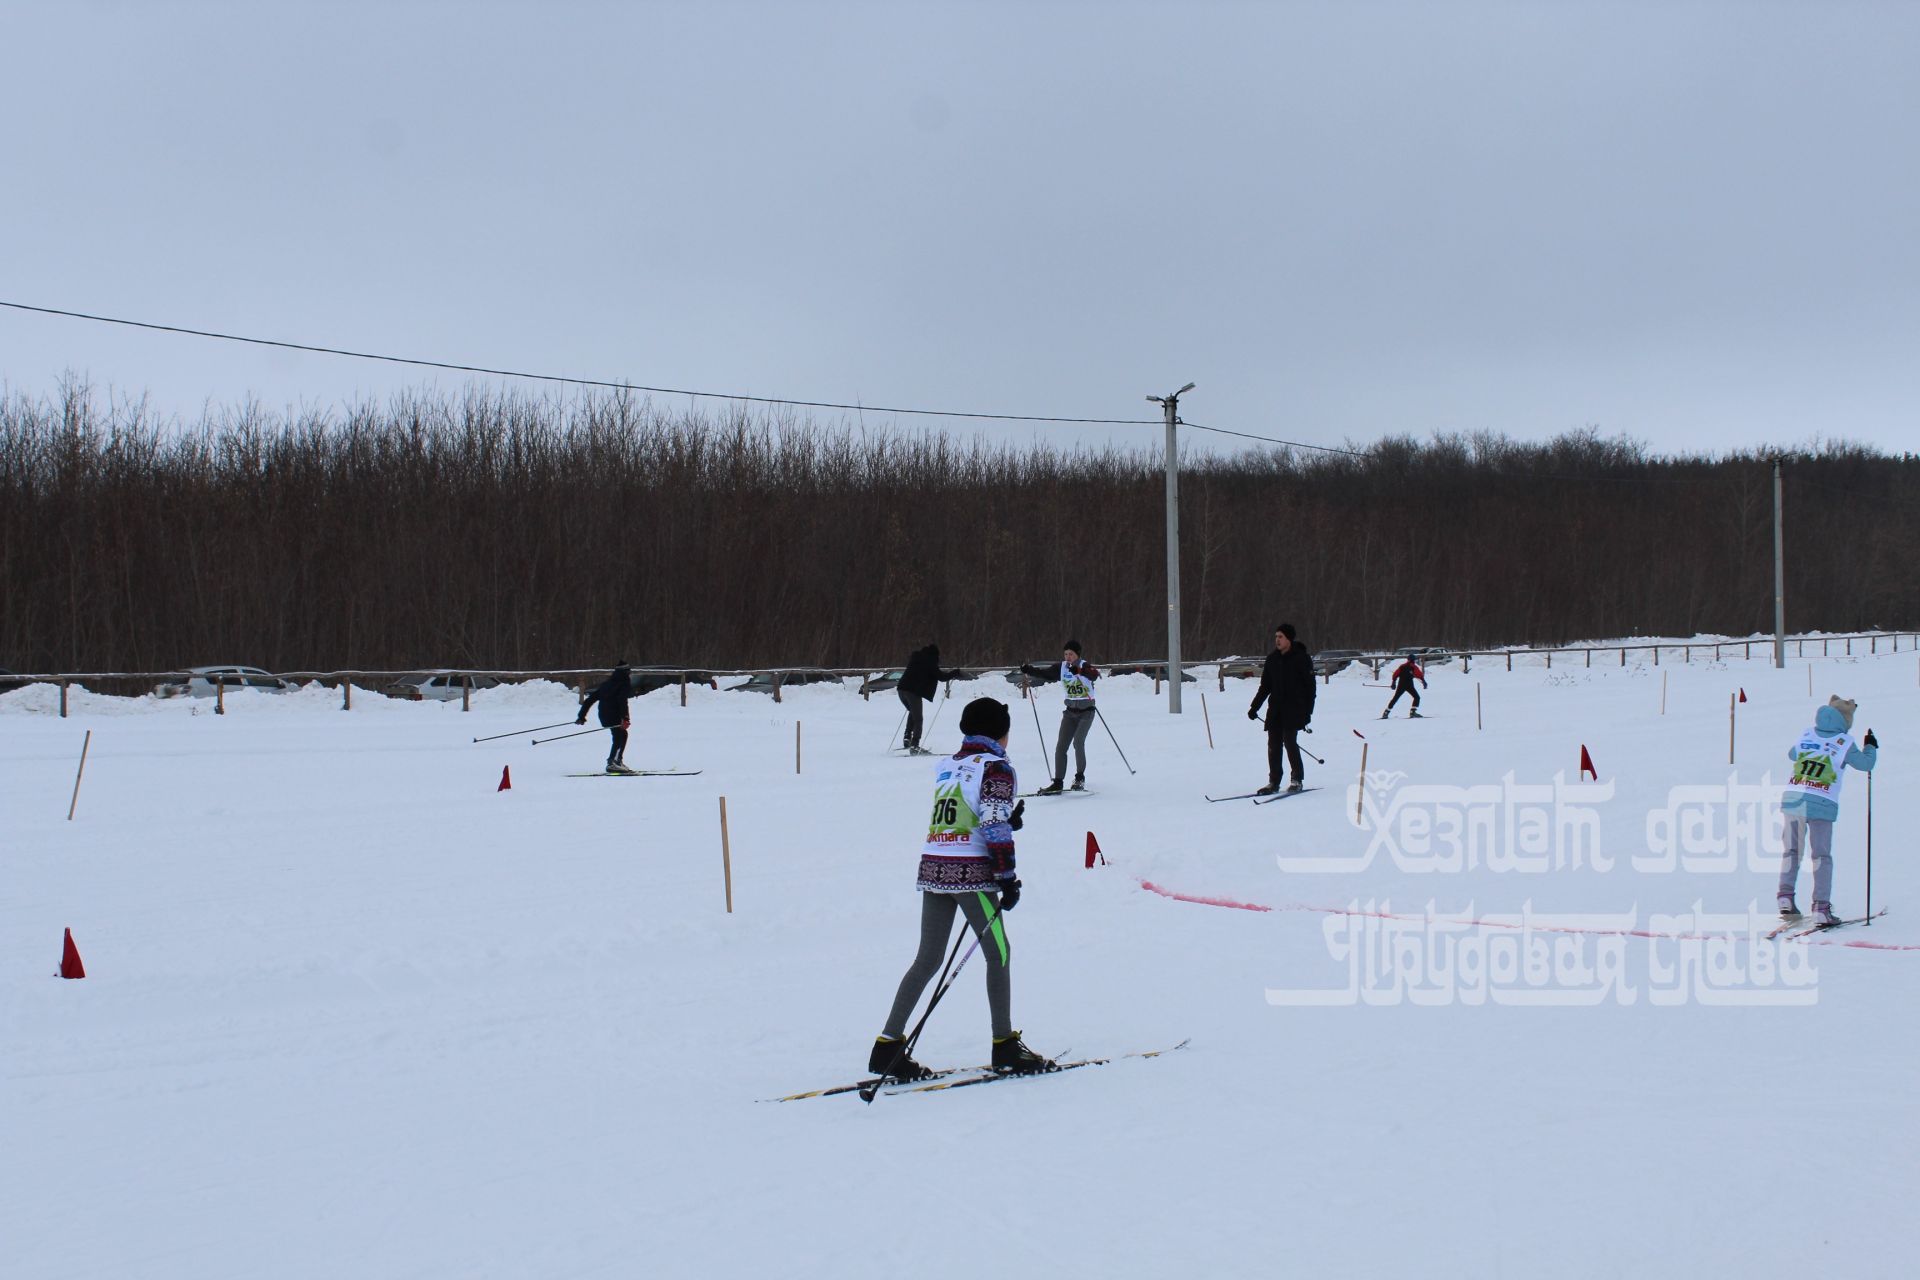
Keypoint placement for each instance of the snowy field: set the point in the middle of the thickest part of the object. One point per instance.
(350, 1011)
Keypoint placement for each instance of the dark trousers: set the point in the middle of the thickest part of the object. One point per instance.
(1283, 748)
(619, 751)
(913, 704)
(1406, 688)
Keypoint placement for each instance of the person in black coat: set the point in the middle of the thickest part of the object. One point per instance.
(1286, 686)
(612, 694)
(918, 683)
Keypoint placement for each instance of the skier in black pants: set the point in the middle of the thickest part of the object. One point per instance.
(1403, 677)
(918, 683)
(612, 694)
(1076, 676)
(1286, 686)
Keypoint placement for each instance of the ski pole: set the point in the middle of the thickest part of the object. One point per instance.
(896, 730)
(1115, 741)
(517, 732)
(1308, 754)
(937, 710)
(1038, 732)
(871, 1089)
(563, 737)
(1869, 844)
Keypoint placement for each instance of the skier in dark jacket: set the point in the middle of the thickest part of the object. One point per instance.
(1286, 686)
(1403, 677)
(612, 694)
(918, 683)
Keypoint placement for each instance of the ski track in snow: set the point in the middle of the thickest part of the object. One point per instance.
(349, 1011)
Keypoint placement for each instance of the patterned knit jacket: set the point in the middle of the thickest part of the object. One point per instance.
(971, 875)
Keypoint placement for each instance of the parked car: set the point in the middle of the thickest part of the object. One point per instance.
(887, 681)
(200, 681)
(1330, 662)
(446, 686)
(1243, 668)
(647, 679)
(1425, 655)
(1156, 670)
(763, 683)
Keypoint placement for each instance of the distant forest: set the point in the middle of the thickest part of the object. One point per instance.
(520, 532)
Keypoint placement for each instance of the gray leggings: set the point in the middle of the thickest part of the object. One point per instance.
(936, 925)
(1799, 828)
(1074, 723)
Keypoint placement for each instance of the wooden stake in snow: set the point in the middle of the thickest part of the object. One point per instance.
(346, 695)
(1206, 719)
(1359, 803)
(1809, 679)
(1663, 693)
(84, 744)
(1733, 701)
(1478, 721)
(219, 695)
(796, 746)
(726, 855)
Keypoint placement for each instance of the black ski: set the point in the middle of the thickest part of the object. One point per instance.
(1801, 927)
(643, 773)
(1048, 795)
(997, 1078)
(1282, 795)
(1223, 799)
(863, 1084)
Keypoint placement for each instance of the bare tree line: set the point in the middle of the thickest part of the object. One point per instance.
(497, 530)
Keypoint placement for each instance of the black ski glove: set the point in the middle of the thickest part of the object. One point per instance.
(1252, 714)
(1009, 894)
(582, 719)
(1019, 815)
(1872, 741)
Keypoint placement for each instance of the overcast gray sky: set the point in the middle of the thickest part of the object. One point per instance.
(1694, 223)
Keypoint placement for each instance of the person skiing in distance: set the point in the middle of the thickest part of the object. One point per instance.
(918, 683)
(1403, 677)
(1076, 676)
(1286, 686)
(966, 867)
(613, 694)
(1821, 756)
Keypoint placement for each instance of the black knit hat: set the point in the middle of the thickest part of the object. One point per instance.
(1286, 629)
(1073, 645)
(986, 718)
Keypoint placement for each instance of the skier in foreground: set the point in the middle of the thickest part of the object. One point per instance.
(1286, 686)
(612, 694)
(1820, 758)
(1403, 677)
(966, 866)
(919, 681)
(1076, 677)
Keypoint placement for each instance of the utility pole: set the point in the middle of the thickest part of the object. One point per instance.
(1172, 406)
(1779, 576)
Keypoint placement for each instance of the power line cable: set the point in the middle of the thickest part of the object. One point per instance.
(577, 382)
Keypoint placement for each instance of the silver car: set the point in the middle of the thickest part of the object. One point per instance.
(200, 682)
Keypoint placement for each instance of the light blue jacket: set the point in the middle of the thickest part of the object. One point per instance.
(1827, 722)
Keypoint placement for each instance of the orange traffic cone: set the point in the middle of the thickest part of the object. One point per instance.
(1586, 764)
(70, 966)
(506, 779)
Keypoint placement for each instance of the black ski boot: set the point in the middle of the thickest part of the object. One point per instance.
(1051, 789)
(1079, 783)
(1012, 1058)
(891, 1061)
(1298, 784)
(1268, 790)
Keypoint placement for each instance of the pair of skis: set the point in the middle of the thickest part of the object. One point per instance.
(1803, 926)
(641, 773)
(944, 1079)
(1257, 798)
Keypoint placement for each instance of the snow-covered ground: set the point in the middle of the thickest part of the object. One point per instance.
(351, 1011)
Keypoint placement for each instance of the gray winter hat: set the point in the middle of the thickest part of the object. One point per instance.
(1845, 706)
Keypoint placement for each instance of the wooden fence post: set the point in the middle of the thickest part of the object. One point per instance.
(683, 688)
(466, 692)
(778, 676)
(63, 699)
(219, 695)
(346, 694)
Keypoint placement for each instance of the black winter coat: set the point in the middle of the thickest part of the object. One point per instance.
(612, 695)
(1286, 686)
(923, 675)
